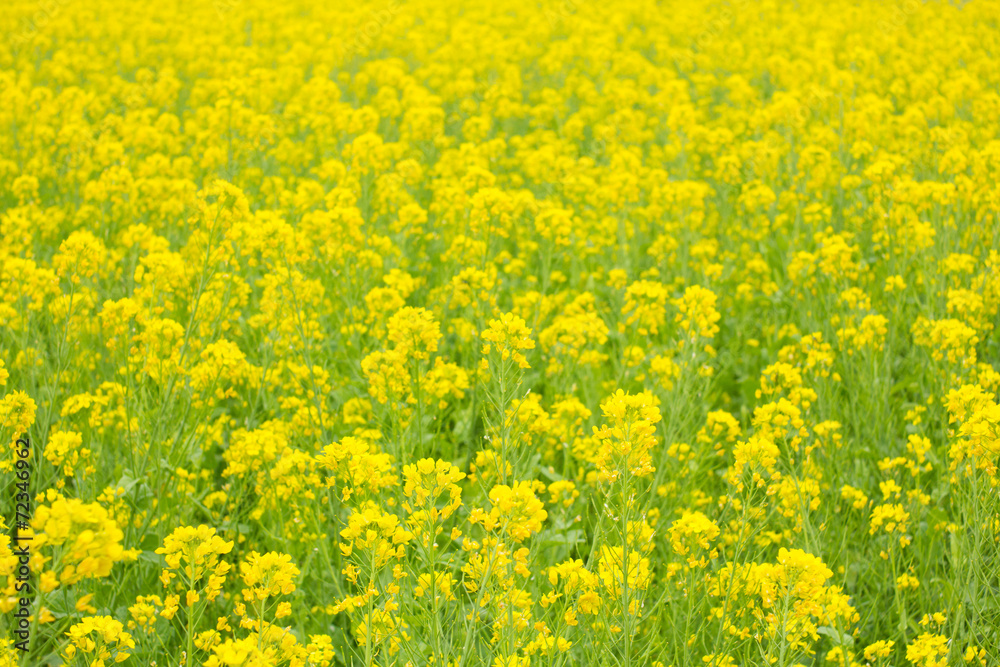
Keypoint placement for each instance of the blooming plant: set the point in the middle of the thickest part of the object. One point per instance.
(497, 334)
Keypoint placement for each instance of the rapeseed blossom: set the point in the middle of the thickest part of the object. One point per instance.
(524, 333)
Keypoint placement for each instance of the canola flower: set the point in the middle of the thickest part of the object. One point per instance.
(527, 333)
(101, 636)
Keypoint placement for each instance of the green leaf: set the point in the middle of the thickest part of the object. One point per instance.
(838, 637)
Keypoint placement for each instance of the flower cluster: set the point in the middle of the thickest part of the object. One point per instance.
(500, 333)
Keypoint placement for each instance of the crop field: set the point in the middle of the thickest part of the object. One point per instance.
(508, 333)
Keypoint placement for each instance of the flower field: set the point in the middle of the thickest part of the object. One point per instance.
(540, 332)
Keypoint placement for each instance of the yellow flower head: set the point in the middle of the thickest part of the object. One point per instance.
(509, 337)
(268, 575)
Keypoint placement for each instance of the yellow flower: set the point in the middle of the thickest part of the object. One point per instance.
(626, 443)
(928, 650)
(645, 307)
(193, 561)
(375, 532)
(615, 574)
(757, 455)
(509, 337)
(143, 613)
(888, 517)
(697, 314)
(414, 332)
(267, 575)
(65, 449)
(514, 509)
(691, 532)
(82, 538)
(880, 649)
(99, 638)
